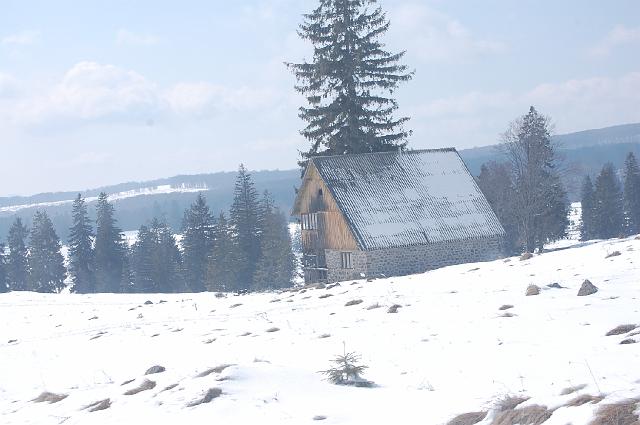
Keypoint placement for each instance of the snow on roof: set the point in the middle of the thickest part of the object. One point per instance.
(395, 199)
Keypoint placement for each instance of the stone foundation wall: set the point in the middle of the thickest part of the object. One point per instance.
(417, 259)
(334, 263)
(413, 259)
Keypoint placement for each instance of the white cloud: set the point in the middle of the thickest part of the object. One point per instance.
(91, 92)
(126, 37)
(21, 38)
(618, 36)
(435, 37)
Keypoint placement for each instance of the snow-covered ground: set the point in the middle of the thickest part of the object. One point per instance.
(156, 190)
(448, 350)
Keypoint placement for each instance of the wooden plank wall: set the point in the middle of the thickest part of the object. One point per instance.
(333, 231)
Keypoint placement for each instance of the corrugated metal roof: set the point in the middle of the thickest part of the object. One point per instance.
(395, 199)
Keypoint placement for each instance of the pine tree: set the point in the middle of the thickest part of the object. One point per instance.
(81, 268)
(142, 261)
(46, 263)
(167, 260)
(632, 194)
(609, 218)
(3, 270)
(17, 268)
(245, 221)
(277, 264)
(110, 250)
(531, 155)
(588, 204)
(197, 242)
(346, 83)
(223, 263)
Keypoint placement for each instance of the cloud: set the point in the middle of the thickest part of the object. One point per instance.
(125, 37)
(477, 118)
(618, 36)
(435, 37)
(93, 92)
(21, 38)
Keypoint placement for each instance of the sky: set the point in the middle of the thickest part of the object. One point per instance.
(95, 93)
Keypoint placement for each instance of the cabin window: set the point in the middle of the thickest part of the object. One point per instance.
(310, 221)
(346, 260)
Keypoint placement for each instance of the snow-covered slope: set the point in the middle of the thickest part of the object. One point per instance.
(448, 350)
(156, 190)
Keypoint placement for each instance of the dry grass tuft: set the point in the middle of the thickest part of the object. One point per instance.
(170, 387)
(584, 399)
(505, 307)
(273, 329)
(613, 254)
(49, 397)
(394, 308)
(530, 415)
(99, 405)
(325, 296)
(526, 256)
(217, 369)
(235, 305)
(353, 302)
(622, 329)
(573, 389)
(208, 397)
(507, 314)
(373, 306)
(621, 413)
(145, 386)
(470, 418)
(324, 336)
(509, 403)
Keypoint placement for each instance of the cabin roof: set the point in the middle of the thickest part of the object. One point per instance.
(395, 199)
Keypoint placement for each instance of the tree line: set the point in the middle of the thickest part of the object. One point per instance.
(609, 208)
(248, 250)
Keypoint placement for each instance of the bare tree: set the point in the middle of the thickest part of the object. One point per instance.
(540, 200)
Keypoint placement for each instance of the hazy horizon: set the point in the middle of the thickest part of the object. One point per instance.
(94, 94)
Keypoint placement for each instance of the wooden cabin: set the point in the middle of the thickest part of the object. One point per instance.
(392, 213)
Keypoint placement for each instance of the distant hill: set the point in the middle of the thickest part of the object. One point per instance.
(581, 153)
(138, 202)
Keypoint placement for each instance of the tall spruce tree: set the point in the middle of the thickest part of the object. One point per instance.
(3, 270)
(81, 268)
(277, 264)
(110, 250)
(588, 205)
(17, 268)
(245, 221)
(46, 263)
(348, 82)
(222, 271)
(540, 200)
(167, 260)
(142, 261)
(197, 242)
(609, 218)
(632, 194)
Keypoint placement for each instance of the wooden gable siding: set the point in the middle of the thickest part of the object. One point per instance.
(333, 231)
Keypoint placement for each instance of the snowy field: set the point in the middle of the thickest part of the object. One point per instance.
(449, 349)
